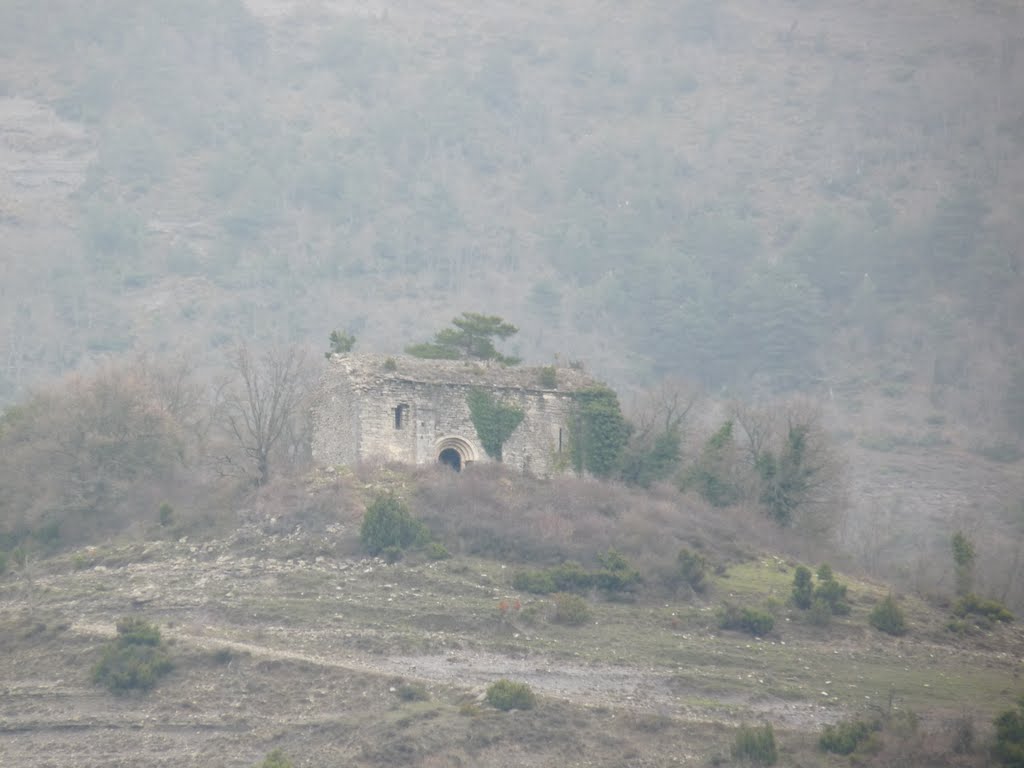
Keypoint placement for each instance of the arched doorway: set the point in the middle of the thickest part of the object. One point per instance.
(454, 452)
(451, 458)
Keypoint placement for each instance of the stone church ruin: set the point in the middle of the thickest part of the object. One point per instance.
(416, 411)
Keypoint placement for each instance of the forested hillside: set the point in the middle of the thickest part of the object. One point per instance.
(757, 195)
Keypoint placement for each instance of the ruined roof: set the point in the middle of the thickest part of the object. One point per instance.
(370, 367)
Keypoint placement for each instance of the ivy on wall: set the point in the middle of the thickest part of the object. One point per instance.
(599, 433)
(494, 421)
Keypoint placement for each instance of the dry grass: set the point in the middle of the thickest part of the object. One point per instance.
(487, 512)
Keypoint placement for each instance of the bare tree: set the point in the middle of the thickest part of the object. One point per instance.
(663, 409)
(658, 420)
(263, 404)
(175, 387)
(107, 447)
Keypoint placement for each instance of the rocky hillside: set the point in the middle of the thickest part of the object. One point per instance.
(283, 636)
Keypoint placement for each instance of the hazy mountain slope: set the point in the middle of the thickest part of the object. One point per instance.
(757, 177)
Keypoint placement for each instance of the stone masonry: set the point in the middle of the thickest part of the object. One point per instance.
(405, 409)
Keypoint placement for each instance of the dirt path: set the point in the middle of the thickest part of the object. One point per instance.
(586, 685)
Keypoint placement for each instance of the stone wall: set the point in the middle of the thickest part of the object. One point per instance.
(371, 408)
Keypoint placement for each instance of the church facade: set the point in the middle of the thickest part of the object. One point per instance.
(373, 408)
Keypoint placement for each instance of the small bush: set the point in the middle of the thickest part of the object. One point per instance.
(755, 745)
(412, 692)
(1009, 746)
(960, 627)
(831, 591)
(506, 695)
(166, 515)
(133, 630)
(133, 661)
(820, 613)
(888, 617)
(749, 620)
(979, 607)
(387, 523)
(435, 550)
(390, 365)
(534, 582)
(616, 574)
(844, 737)
(3, 562)
(275, 759)
(547, 377)
(571, 609)
(570, 576)
(803, 589)
(692, 569)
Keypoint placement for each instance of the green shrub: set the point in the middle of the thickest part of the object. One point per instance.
(3, 562)
(570, 576)
(506, 695)
(833, 594)
(888, 617)
(692, 569)
(412, 692)
(844, 737)
(712, 475)
(571, 609)
(341, 343)
(755, 745)
(547, 377)
(276, 759)
(1009, 746)
(133, 630)
(803, 589)
(749, 620)
(616, 574)
(435, 550)
(820, 613)
(831, 591)
(390, 365)
(828, 592)
(979, 607)
(134, 660)
(166, 515)
(964, 556)
(960, 627)
(387, 523)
